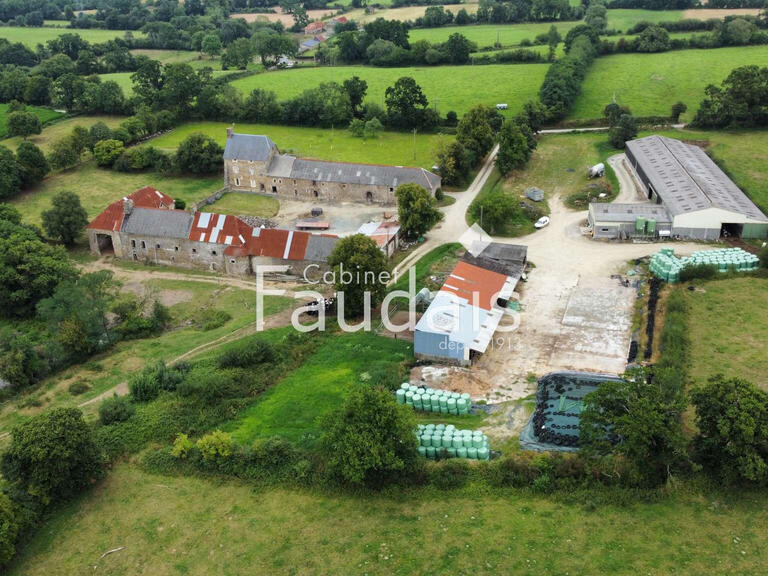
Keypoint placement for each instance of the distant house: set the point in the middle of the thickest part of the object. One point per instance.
(152, 231)
(330, 25)
(252, 163)
(314, 28)
(385, 234)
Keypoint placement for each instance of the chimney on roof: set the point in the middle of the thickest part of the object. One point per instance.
(127, 206)
(230, 131)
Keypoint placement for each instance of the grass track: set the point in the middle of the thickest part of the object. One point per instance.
(456, 88)
(650, 83)
(177, 525)
(396, 148)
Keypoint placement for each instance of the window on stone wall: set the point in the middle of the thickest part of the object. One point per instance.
(157, 246)
(231, 261)
(143, 245)
(133, 243)
(194, 250)
(237, 181)
(213, 252)
(175, 248)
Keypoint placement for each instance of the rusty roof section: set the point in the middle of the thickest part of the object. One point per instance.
(112, 217)
(467, 280)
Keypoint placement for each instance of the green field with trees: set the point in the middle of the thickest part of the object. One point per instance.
(58, 130)
(339, 144)
(31, 37)
(448, 88)
(487, 35)
(650, 83)
(44, 114)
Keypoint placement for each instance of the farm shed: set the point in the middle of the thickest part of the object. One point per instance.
(464, 315)
(629, 220)
(702, 201)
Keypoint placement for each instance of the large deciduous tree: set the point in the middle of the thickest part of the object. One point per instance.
(359, 266)
(199, 154)
(370, 441)
(32, 164)
(416, 209)
(66, 219)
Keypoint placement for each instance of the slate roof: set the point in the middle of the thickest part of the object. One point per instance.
(158, 223)
(349, 173)
(610, 212)
(687, 180)
(248, 147)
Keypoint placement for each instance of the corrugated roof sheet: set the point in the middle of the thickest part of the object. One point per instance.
(248, 147)
(158, 223)
(219, 229)
(629, 212)
(687, 180)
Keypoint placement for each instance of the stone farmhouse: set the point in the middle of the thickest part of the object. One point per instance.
(254, 164)
(145, 227)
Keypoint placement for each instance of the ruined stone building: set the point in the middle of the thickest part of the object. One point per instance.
(254, 164)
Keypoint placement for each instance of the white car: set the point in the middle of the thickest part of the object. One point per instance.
(541, 222)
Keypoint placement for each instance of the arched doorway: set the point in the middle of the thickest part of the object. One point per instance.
(369, 197)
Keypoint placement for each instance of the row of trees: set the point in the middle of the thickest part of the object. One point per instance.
(741, 100)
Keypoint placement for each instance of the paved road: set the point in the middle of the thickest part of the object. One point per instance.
(589, 129)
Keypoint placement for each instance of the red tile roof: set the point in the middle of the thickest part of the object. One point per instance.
(112, 217)
(272, 243)
(467, 280)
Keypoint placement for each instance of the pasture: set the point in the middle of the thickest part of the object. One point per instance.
(123, 79)
(31, 37)
(396, 148)
(485, 35)
(623, 19)
(172, 525)
(249, 204)
(456, 88)
(44, 114)
(58, 130)
(292, 407)
(650, 83)
(98, 187)
(728, 325)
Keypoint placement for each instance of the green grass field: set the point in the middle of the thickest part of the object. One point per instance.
(395, 148)
(488, 34)
(58, 130)
(291, 408)
(650, 83)
(44, 114)
(456, 88)
(248, 204)
(185, 298)
(123, 79)
(31, 37)
(98, 188)
(622, 19)
(191, 526)
(728, 323)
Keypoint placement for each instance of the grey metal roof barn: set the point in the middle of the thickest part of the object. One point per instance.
(248, 147)
(629, 212)
(703, 203)
(158, 223)
(686, 179)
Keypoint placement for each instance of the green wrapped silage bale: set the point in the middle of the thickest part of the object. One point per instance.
(443, 409)
(477, 441)
(457, 442)
(451, 452)
(400, 395)
(452, 405)
(416, 399)
(409, 398)
(440, 427)
(405, 386)
(450, 427)
(455, 395)
(425, 440)
(413, 388)
(443, 402)
(429, 428)
(467, 442)
(422, 451)
(435, 401)
(472, 453)
(429, 391)
(437, 440)
(461, 406)
(430, 452)
(483, 454)
(461, 452)
(446, 441)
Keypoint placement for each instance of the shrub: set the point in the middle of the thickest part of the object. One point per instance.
(211, 318)
(701, 271)
(146, 385)
(9, 530)
(449, 474)
(764, 257)
(79, 387)
(208, 383)
(215, 447)
(108, 151)
(247, 355)
(182, 446)
(115, 409)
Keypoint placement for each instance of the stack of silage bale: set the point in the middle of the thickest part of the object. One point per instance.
(666, 266)
(433, 400)
(438, 441)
